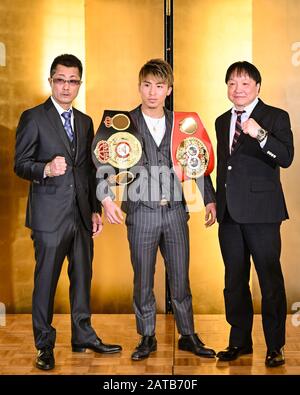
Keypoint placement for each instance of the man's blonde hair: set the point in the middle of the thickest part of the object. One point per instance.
(159, 69)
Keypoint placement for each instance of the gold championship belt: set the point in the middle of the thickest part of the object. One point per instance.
(191, 149)
(116, 146)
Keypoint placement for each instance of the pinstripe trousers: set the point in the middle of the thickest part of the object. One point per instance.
(164, 228)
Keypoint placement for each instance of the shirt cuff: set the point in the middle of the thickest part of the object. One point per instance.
(263, 143)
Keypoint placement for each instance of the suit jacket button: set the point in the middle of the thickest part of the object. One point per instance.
(229, 167)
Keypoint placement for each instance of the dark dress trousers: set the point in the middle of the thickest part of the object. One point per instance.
(59, 212)
(151, 226)
(250, 209)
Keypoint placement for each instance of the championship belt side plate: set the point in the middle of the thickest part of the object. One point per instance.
(116, 145)
(191, 149)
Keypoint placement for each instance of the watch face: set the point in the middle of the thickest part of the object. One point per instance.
(261, 134)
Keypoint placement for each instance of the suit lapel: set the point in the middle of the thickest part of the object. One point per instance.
(258, 111)
(224, 135)
(78, 130)
(169, 125)
(57, 125)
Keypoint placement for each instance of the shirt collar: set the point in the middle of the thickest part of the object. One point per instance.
(248, 109)
(59, 108)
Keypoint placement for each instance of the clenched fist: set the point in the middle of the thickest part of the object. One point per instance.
(57, 167)
(251, 127)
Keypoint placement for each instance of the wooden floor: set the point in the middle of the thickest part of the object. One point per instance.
(17, 352)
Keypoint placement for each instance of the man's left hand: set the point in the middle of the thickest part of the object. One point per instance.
(97, 224)
(210, 214)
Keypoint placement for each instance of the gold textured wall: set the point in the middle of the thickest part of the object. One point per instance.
(276, 51)
(120, 37)
(208, 37)
(32, 32)
(114, 38)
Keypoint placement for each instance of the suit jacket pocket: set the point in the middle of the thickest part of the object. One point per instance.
(48, 189)
(262, 186)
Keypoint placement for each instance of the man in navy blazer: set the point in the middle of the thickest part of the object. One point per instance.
(53, 152)
(253, 141)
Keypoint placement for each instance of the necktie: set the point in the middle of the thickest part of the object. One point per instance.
(68, 127)
(238, 129)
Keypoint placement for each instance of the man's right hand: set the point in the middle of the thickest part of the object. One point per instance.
(57, 167)
(112, 212)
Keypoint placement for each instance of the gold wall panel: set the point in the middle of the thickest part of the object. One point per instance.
(276, 52)
(114, 38)
(208, 37)
(32, 32)
(120, 37)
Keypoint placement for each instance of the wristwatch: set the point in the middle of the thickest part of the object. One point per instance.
(261, 135)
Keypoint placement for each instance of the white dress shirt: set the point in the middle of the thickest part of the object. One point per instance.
(157, 127)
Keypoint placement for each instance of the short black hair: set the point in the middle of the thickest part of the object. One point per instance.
(243, 67)
(68, 61)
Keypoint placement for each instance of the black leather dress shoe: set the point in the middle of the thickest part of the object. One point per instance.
(97, 346)
(45, 359)
(232, 353)
(195, 345)
(147, 345)
(275, 358)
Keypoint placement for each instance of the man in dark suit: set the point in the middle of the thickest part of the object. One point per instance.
(253, 141)
(157, 217)
(53, 144)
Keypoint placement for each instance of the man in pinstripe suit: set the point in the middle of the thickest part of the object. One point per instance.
(157, 217)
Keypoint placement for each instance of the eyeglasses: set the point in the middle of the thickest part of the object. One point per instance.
(62, 81)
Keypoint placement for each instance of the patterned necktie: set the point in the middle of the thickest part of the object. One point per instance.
(68, 127)
(238, 129)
